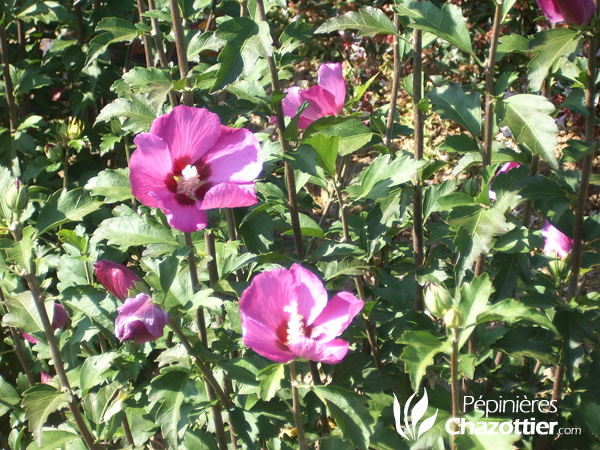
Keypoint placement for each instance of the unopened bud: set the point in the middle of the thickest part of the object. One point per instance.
(453, 318)
(75, 128)
(471, 187)
(17, 197)
(437, 299)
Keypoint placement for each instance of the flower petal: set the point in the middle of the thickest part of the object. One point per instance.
(577, 12)
(236, 157)
(139, 320)
(321, 103)
(336, 316)
(311, 294)
(189, 132)
(229, 195)
(556, 243)
(332, 80)
(292, 101)
(551, 10)
(266, 298)
(264, 341)
(186, 218)
(149, 166)
(60, 318)
(331, 352)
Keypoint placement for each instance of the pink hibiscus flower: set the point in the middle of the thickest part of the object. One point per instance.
(139, 320)
(573, 12)
(189, 163)
(285, 314)
(556, 243)
(116, 278)
(325, 99)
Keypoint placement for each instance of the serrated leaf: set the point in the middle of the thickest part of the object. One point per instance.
(475, 227)
(114, 185)
(23, 314)
(131, 230)
(171, 388)
(453, 103)
(115, 30)
(9, 397)
(327, 149)
(246, 41)
(474, 296)
(138, 113)
(64, 207)
(447, 23)
(353, 135)
(421, 348)
(92, 370)
(512, 311)
(54, 438)
(552, 47)
(270, 380)
(529, 118)
(39, 402)
(369, 21)
(349, 412)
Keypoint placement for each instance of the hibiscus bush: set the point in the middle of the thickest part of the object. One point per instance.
(254, 224)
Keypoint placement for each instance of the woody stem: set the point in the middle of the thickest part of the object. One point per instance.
(296, 407)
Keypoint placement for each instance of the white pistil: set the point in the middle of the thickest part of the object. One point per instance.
(189, 181)
(295, 328)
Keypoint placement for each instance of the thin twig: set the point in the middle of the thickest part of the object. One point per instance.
(8, 86)
(296, 407)
(188, 98)
(454, 384)
(145, 37)
(160, 49)
(395, 85)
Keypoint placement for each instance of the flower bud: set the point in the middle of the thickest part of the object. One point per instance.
(45, 378)
(556, 243)
(60, 319)
(453, 318)
(472, 187)
(437, 299)
(116, 278)
(17, 197)
(139, 320)
(75, 128)
(573, 12)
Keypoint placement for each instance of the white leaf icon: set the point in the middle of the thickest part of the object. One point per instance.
(427, 424)
(406, 424)
(418, 412)
(397, 415)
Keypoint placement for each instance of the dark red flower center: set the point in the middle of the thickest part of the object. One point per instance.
(188, 181)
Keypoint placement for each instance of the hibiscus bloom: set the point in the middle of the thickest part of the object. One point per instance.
(556, 243)
(59, 320)
(325, 99)
(573, 12)
(285, 314)
(139, 320)
(189, 163)
(116, 278)
(503, 169)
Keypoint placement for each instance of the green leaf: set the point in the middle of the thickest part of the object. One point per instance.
(349, 412)
(353, 135)
(421, 348)
(129, 230)
(89, 301)
(512, 311)
(54, 438)
(138, 113)
(112, 184)
(381, 217)
(23, 314)
(327, 149)
(308, 226)
(475, 227)
(64, 207)
(529, 118)
(368, 21)
(270, 380)
(374, 181)
(92, 370)
(246, 41)
(115, 30)
(484, 441)
(154, 82)
(453, 103)
(553, 48)
(20, 252)
(447, 23)
(474, 297)
(9, 397)
(39, 402)
(171, 388)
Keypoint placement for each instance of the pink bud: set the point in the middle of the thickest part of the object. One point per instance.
(573, 12)
(116, 278)
(139, 320)
(556, 243)
(45, 378)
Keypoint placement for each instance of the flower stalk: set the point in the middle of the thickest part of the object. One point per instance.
(280, 121)
(454, 384)
(395, 85)
(419, 120)
(296, 406)
(586, 171)
(8, 86)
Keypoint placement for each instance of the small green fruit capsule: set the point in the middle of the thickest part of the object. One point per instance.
(437, 299)
(453, 318)
(472, 187)
(17, 197)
